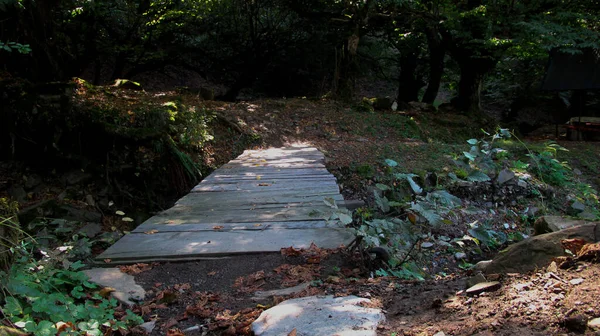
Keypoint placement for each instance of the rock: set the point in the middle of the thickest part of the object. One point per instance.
(523, 287)
(553, 267)
(439, 333)
(319, 316)
(45, 208)
(418, 106)
(90, 230)
(505, 175)
(483, 287)
(537, 251)
(578, 206)
(395, 106)
(576, 282)
(594, 323)
(76, 177)
(597, 232)
(547, 224)
(261, 295)
(482, 265)
(72, 213)
(426, 245)
(521, 183)
(577, 323)
(477, 279)
(125, 287)
(17, 193)
(148, 326)
(32, 181)
(89, 199)
(460, 255)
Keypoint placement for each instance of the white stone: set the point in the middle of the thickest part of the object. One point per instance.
(316, 316)
(125, 287)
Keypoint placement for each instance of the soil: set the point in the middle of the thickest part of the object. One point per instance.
(538, 303)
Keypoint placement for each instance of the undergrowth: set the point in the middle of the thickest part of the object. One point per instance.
(409, 207)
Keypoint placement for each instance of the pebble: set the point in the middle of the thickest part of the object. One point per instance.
(460, 255)
(426, 245)
(594, 323)
(576, 281)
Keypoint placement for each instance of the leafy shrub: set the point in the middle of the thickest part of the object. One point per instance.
(40, 296)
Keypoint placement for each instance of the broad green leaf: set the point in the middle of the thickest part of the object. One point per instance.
(469, 156)
(382, 187)
(345, 219)
(473, 141)
(478, 176)
(391, 163)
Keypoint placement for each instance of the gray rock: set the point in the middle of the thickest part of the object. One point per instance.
(32, 181)
(547, 224)
(126, 290)
(149, 326)
(483, 287)
(522, 183)
(89, 199)
(538, 251)
(91, 230)
(594, 323)
(477, 279)
(316, 316)
(460, 255)
(505, 175)
(482, 265)
(80, 215)
(426, 245)
(578, 206)
(76, 177)
(576, 282)
(17, 193)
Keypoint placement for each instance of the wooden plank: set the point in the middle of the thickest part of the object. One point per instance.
(245, 205)
(257, 187)
(233, 165)
(296, 225)
(135, 246)
(266, 197)
(189, 215)
(288, 183)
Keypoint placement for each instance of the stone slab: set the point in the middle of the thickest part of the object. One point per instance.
(318, 316)
(126, 290)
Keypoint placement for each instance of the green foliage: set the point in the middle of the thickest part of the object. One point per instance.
(482, 159)
(39, 295)
(10, 46)
(546, 166)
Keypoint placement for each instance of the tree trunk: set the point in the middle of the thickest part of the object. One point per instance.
(437, 52)
(345, 71)
(408, 89)
(469, 89)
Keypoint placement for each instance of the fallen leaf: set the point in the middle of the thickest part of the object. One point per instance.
(291, 252)
(107, 261)
(212, 273)
(120, 213)
(257, 225)
(105, 292)
(264, 184)
(574, 245)
(292, 333)
(218, 227)
(175, 332)
(170, 323)
(258, 177)
(153, 231)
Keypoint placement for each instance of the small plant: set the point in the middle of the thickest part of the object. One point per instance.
(42, 299)
(546, 166)
(480, 161)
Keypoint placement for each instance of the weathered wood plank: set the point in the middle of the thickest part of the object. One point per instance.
(277, 197)
(328, 187)
(189, 215)
(220, 227)
(135, 246)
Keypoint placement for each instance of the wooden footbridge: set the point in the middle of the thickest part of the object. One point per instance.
(262, 201)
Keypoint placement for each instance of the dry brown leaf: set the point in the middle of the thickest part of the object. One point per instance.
(218, 227)
(153, 231)
(589, 252)
(574, 245)
(291, 252)
(107, 261)
(264, 184)
(175, 332)
(212, 273)
(293, 332)
(105, 292)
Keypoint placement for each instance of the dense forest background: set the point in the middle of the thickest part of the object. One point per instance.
(245, 49)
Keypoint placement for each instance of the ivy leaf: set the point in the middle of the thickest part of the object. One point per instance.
(345, 218)
(478, 176)
(391, 163)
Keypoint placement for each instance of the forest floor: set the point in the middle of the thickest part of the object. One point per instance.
(217, 296)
